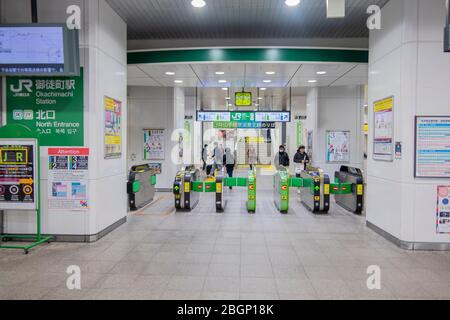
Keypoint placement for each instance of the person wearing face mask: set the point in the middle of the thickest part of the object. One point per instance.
(282, 158)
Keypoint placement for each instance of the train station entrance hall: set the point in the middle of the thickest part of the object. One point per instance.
(225, 150)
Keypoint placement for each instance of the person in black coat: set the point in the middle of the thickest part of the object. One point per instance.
(282, 158)
(301, 159)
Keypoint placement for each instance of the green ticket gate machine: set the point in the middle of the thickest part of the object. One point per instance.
(141, 186)
(350, 197)
(223, 182)
(185, 199)
(281, 190)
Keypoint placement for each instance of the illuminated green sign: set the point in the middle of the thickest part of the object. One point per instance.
(243, 99)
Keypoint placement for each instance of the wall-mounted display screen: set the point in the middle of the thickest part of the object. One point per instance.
(38, 49)
(243, 99)
(432, 147)
(246, 116)
(283, 116)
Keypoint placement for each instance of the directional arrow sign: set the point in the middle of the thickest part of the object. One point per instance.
(177, 188)
(317, 188)
(26, 181)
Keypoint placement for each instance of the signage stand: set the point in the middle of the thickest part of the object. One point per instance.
(22, 133)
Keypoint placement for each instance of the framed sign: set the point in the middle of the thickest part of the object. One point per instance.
(432, 147)
(338, 146)
(113, 128)
(18, 174)
(383, 138)
(154, 144)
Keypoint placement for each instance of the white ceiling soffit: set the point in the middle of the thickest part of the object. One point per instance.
(239, 19)
(249, 75)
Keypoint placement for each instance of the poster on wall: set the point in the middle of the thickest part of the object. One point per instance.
(383, 140)
(310, 145)
(338, 146)
(18, 174)
(50, 106)
(68, 178)
(443, 210)
(432, 159)
(113, 128)
(299, 133)
(154, 144)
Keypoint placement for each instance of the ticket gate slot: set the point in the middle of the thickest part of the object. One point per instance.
(222, 184)
(350, 196)
(141, 186)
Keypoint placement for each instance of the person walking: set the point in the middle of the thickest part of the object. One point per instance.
(282, 158)
(301, 159)
(228, 160)
(218, 157)
(251, 154)
(204, 156)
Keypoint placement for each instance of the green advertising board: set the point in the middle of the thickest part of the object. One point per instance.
(50, 106)
(299, 133)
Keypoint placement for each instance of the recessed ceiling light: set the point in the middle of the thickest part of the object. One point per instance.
(260, 98)
(230, 104)
(198, 3)
(170, 73)
(228, 98)
(321, 72)
(267, 81)
(263, 89)
(225, 89)
(222, 81)
(220, 72)
(292, 3)
(312, 81)
(178, 81)
(270, 72)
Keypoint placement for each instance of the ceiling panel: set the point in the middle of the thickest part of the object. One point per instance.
(177, 19)
(142, 82)
(248, 75)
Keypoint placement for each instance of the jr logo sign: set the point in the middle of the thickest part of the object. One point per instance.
(23, 86)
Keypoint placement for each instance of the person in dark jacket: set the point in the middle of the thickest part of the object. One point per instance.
(228, 160)
(301, 159)
(204, 156)
(282, 158)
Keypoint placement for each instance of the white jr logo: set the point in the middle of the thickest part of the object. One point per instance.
(374, 21)
(74, 280)
(74, 19)
(374, 279)
(23, 84)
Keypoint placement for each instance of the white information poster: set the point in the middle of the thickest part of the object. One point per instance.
(432, 147)
(383, 140)
(154, 144)
(68, 178)
(443, 210)
(338, 146)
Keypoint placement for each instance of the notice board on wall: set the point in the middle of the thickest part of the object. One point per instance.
(432, 147)
(338, 146)
(68, 178)
(113, 128)
(443, 210)
(154, 144)
(383, 138)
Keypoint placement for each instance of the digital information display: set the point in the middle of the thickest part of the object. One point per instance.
(39, 49)
(243, 99)
(18, 175)
(432, 147)
(273, 116)
(226, 116)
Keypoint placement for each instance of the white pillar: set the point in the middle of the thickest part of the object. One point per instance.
(407, 61)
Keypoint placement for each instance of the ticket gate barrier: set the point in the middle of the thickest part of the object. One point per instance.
(352, 198)
(315, 194)
(185, 198)
(217, 186)
(141, 186)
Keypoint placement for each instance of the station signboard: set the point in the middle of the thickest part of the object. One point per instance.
(243, 99)
(18, 174)
(243, 116)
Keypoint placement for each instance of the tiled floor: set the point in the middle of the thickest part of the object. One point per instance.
(235, 255)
